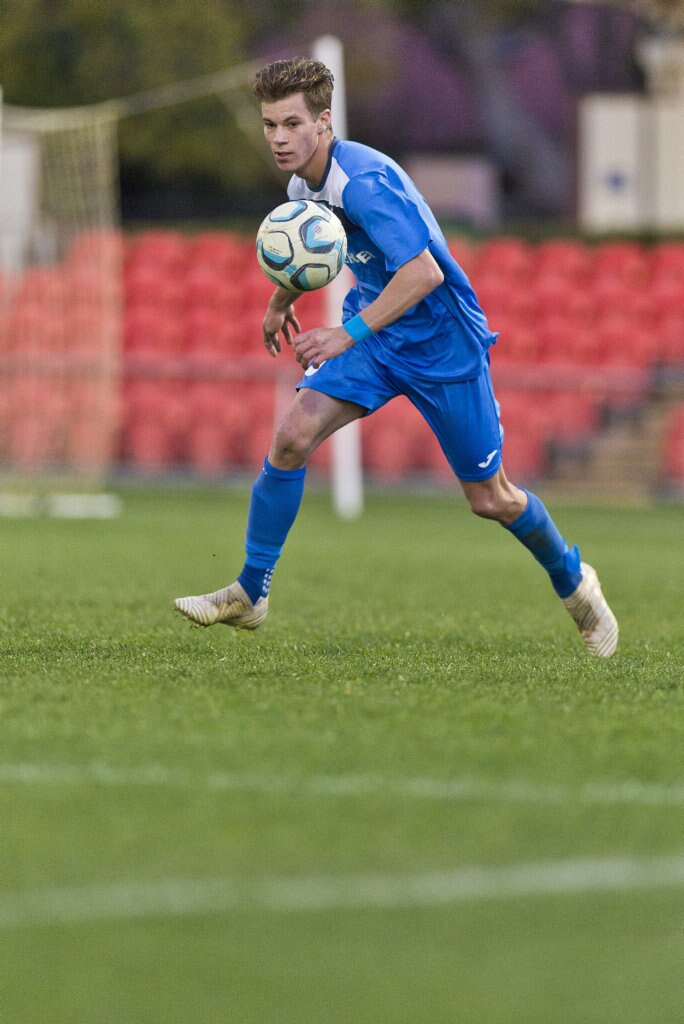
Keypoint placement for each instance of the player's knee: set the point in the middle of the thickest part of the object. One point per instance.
(291, 447)
(487, 506)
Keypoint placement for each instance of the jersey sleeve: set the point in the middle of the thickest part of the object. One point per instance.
(388, 215)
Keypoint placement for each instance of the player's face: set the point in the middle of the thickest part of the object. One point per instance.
(299, 141)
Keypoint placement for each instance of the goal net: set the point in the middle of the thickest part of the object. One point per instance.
(60, 295)
(62, 370)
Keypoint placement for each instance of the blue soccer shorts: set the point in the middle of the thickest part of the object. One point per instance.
(463, 415)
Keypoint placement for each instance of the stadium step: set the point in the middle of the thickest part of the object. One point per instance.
(627, 454)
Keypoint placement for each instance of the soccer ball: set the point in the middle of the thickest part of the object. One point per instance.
(301, 245)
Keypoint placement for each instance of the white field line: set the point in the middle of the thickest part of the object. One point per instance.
(419, 788)
(132, 900)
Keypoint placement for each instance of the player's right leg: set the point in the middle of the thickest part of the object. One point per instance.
(275, 500)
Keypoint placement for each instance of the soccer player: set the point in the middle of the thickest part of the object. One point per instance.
(411, 326)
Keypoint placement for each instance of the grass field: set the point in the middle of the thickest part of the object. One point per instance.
(410, 797)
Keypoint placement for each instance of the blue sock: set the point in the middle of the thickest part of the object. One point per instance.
(276, 497)
(537, 531)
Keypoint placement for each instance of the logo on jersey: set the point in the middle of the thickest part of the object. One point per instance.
(361, 257)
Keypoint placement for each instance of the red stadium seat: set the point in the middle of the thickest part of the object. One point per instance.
(257, 444)
(163, 249)
(519, 343)
(509, 257)
(321, 460)
(571, 415)
(623, 342)
(556, 336)
(552, 292)
(155, 285)
(217, 401)
(523, 412)
(624, 260)
(249, 326)
(311, 309)
(37, 415)
(143, 399)
(149, 331)
(667, 296)
(155, 420)
(206, 285)
(258, 289)
(497, 296)
(432, 459)
(149, 446)
(584, 349)
(564, 257)
(33, 327)
(610, 293)
(669, 331)
(673, 447)
(90, 332)
(257, 403)
(94, 284)
(92, 421)
(208, 449)
(523, 456)
(393, 439)
(204, 329)
(581, 306)
(47, 286)
(389, 452)
(29, 443)
(222, 250)
(668, 262)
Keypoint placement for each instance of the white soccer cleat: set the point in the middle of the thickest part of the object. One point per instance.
(231, 605)
(594, 619)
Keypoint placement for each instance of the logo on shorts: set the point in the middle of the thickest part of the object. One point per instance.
(310, 370)
(483, 465)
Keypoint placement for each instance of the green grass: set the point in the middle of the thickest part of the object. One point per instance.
(407, 654)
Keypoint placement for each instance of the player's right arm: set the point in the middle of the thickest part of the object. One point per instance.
(280, 319)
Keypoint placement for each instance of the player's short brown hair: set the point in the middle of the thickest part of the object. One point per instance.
(282, 78)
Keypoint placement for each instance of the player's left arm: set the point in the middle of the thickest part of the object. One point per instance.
(407, 287)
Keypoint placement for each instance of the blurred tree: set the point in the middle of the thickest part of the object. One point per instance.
(71, 52)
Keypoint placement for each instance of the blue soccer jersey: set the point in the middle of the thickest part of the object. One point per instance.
(388, 222)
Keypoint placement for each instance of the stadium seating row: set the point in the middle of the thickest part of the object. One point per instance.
(616, 303)
(213, 426)
(594, 320)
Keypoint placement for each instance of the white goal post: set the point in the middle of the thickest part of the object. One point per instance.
(347, 473)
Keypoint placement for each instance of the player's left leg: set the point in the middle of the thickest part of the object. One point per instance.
(576, 583)
(465, 418)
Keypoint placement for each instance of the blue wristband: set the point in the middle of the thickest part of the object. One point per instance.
(358, 328)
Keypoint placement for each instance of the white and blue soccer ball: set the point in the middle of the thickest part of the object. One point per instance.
(301, 245)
